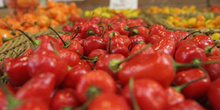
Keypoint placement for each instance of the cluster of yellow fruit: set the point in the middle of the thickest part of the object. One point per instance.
(107, 12)
(199, 21)
(172, 10)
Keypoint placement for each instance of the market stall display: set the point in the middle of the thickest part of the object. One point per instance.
(112, 59)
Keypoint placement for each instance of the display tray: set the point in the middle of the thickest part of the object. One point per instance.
(16, 47)
(160, 19)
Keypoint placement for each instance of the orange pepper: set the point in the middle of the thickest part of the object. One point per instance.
(51, 4)
(43, 21)
(33, 29)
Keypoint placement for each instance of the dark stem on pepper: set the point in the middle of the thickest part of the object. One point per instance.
(77, 31)
(35, 43)
(64, 43)
(190, 34)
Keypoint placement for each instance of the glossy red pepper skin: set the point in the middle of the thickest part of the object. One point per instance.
(114, 101)
(213, 69)
(80, 40)
(96, 78)
(74, 75)
(95, 54)
(196, 90)
(173, 96)
(64, 98)
(93, 42)
(120, 39)
(70, 57)
(67, 28)
(181, 35)
(213, 94)
(39, 87)
(107, 34)
(157, 66)
(119, 26)
(148, 93)
(187, 104)
(138, 47)
(212, 52)
(32, 104)
(28, 52)
(158, 34)
(64, 37)
(3, 100)
(47, 61)
(45, 43)
(187, 53)
(104, 61)
(202, 41)
(136, 39)
(85, 64)
(75, 46)
(143, 31)
(17, 70)
(165, 45)
(90, 26)
(156, 27)
(184, 43)
(77, 24)
(118, 48)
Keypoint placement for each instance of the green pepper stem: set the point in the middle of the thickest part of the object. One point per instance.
(12, 101)
(115, 65)
(103, 31)
(55, 50)
(7, 39)
(131, 89)
(34, 42)
(194, 63)
(180, 87)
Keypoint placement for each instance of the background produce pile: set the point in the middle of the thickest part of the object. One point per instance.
(110, 59)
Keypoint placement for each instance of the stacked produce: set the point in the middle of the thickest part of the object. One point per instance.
(113, 63)
(107, 12)
(54, 14)
(172, 10)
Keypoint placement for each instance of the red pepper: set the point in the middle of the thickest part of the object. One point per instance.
(187, 104)
(213, 94)
(114, 101)
(157, 66)
(196, 90)
(148, 93)
(47, 61)
(97, 81)
(70, 57)
(74, 75)
(90, 28)
(166, 45)
(93, 42)
(39, 87)
(202, 41)
(64, 98)
(17, 70)
(104, 61)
